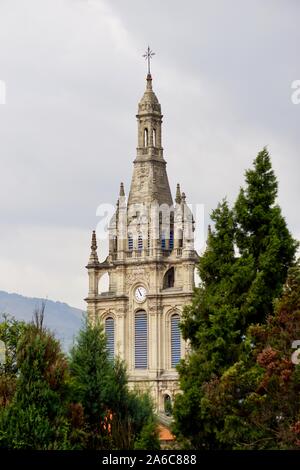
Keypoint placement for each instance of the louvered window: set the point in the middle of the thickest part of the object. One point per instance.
(140, 242)
(149, 242)
(110, 336)
(175, 340)
(141, 340)
(163, 241)
(171, 240)
(130, 242)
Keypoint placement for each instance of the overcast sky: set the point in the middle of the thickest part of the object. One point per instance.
(74, 74)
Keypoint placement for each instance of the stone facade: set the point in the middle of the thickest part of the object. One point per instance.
(150, 264)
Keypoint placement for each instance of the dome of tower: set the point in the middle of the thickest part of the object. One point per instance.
(149, 102)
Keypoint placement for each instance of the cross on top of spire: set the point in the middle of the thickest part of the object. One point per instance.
(148, 56)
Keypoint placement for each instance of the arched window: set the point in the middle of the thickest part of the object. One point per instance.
(180, 238)
(167, 405)
(140, 242)
(154, 137)
(175, 340)
(110, 336)
(103, 283)
(146, 137)
(115, 243)
(130, 242)
(141, 340)
(169, 278)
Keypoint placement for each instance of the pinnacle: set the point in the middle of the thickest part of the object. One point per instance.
(93, 256)
(149, 81)
(122, 192)
(178, 194)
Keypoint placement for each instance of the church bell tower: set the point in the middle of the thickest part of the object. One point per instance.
(150, 264)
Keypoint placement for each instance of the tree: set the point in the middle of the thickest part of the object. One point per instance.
(258, 397)
(91, 373)
(11, 331)
(263, 239)
(211, 325)
(148, 438)
(36, 416)
(242, 271)
(212, 320)
(112, 417)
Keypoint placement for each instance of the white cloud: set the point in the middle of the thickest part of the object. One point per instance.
(45, 262)
(74, 74)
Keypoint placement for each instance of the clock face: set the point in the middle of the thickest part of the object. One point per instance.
(140, 294)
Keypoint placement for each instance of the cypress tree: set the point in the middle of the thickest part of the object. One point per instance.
(36, 417)
(263, 239)
(242, 272)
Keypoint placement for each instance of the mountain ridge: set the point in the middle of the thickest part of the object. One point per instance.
(61, 318)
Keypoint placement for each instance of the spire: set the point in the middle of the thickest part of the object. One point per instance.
(178, 194)
(149, 180)
(183, 198)
(149, 82)
(122, 192)
(93, 256)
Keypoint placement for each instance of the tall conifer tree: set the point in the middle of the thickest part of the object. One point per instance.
(242, 272)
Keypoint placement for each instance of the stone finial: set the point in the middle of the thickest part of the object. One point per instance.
(94, 241)
(178, 194)
(183, 198)
(122, 192)
(93, 256)
(149, 81)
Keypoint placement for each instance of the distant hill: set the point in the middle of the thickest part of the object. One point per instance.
(60, 318)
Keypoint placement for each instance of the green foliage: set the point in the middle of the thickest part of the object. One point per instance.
(242, 272)
(47, 403)
(36, 416)
(10, 333)
(148, 438)
(258, 398)
(112, 417)
(262, 238)
(90, 370)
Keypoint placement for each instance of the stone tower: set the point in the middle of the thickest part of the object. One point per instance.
(150, 264)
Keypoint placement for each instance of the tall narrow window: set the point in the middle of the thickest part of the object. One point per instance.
(180, 238)
(167, 405)
(140, 242)
(171, 240)
(130, 242)
(163, 241)
(175, 340)
(169, 278)
(141, 340)
(110, 336)
(171, 244)
(145, 137)
(154, 137)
